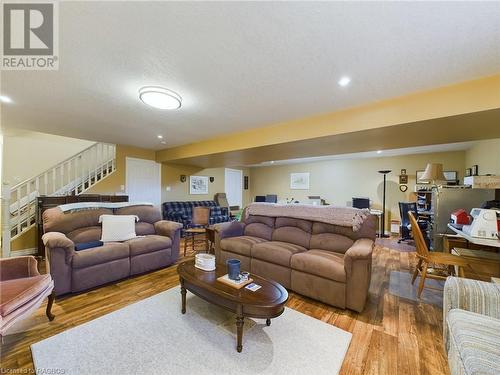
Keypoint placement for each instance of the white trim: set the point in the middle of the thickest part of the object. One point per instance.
(30, 251)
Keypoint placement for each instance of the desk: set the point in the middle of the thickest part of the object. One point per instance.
(475, 240)
(484, 264)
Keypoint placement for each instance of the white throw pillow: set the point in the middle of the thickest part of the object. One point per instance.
(117, 227)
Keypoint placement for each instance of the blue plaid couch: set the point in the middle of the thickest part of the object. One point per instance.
(182, 212)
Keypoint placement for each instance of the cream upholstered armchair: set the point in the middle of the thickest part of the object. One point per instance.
(471, 326)
(22, 290)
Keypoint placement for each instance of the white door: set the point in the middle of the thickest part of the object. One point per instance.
(143, 179)
(234, 187)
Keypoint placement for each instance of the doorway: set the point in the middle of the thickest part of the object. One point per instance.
(143, 181)
(234, 187)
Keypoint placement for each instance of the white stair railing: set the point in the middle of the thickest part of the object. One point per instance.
(72, 176)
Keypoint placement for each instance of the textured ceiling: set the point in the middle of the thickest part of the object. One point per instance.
(240, 65)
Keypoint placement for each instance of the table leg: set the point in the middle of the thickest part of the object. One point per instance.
(268, 322)
(183, 295)
(239, 329)
(185, 243)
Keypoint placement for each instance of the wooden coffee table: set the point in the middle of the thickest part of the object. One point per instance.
(266, 303)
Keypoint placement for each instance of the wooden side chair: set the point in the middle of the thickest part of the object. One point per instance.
(426, 258)
(199, 224)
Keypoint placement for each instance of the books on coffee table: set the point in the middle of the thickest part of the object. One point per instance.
(238, 284)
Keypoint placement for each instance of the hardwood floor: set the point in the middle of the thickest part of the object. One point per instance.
(393, 335)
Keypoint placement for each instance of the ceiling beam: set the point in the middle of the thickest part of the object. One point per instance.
(476, 96)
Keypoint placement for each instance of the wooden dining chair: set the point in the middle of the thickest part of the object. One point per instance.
(435, 259)
(198, 226)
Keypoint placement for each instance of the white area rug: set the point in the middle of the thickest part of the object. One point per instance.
(153, 337)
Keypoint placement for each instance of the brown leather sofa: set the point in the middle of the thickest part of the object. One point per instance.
(326, 262)
(74, 271)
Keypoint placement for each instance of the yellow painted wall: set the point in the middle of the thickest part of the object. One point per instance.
(338, 181)
(170, 176)
(114, 183)
(486, 154)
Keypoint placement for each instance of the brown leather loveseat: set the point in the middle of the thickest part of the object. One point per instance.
(326, 262)
(156, 246)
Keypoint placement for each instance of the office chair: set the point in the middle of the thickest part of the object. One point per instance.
(405, 226)
(271, 198)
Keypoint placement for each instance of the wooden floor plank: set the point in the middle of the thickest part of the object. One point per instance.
(391, 336)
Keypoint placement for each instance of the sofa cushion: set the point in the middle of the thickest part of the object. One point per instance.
(143, 229)
(147, 214)
(259, 226)
(276, 252)
(148, 244)
(320, 263)
(367, 230)
(16, 292)
(294, 231)
(240, 245)
(86, 234)
(97, 255)
(54, 220)
(331, 242)
(474, 342)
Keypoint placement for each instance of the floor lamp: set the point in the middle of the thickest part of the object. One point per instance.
(382, 221)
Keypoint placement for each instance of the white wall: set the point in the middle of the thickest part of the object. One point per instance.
(27, 154)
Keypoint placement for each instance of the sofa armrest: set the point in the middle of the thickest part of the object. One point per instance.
(358, 268)
(18, 267)
(60, 251)
(172, 230)
(226, 230)
(229, 229)
(58, 240)
(167, 228)
(471, 295)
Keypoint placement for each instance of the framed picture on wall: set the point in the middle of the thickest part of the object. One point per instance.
(420, 174)
(299, 181)
(198, 185)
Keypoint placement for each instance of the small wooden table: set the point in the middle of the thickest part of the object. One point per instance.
(193, 232)
(266, 303)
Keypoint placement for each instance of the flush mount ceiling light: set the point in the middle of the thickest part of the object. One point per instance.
(5, 99)
(160, 97)
(344, 81)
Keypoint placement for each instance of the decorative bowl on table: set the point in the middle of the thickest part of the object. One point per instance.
(205, 262)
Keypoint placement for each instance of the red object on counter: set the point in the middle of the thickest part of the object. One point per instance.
(460, 216)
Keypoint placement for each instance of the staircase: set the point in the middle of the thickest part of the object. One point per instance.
(73, 176)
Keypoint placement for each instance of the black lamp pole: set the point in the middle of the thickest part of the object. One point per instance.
(382, 221)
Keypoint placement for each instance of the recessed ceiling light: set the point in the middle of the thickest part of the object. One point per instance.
(160, 97)
(344, 81)
(5, 99)
(379, 151)
(160, 136)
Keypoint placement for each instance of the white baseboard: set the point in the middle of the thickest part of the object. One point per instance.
(30, 251)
